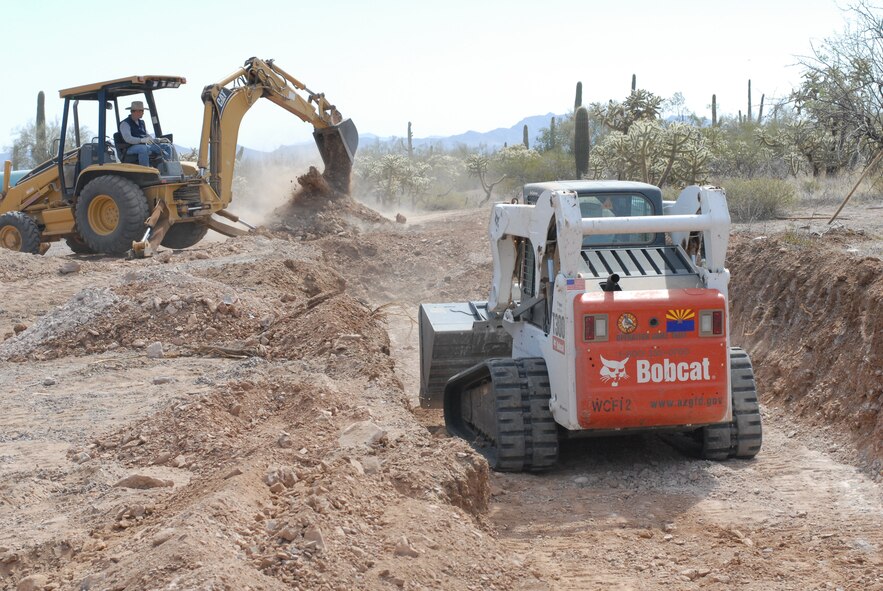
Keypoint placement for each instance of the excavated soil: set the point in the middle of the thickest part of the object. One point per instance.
(241, 415)
(812, 316)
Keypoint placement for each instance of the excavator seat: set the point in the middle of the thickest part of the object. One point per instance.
(122, 148)
(89, 154)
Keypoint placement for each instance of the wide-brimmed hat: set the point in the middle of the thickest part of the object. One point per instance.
(137, 106)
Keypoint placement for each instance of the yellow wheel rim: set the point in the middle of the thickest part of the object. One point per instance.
(103, 214)
(10, 238)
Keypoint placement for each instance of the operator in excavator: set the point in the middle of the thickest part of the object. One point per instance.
(140, 142)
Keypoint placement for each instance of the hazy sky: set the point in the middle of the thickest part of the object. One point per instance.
(448, 66)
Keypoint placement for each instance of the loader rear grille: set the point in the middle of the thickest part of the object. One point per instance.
(638, 262)
(188, 194)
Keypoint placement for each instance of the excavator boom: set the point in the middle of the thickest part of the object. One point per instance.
(225, 105)
(100, 198)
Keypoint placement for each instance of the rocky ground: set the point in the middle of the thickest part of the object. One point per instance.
(243, 415)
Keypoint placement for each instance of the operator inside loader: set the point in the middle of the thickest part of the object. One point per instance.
(134, 144)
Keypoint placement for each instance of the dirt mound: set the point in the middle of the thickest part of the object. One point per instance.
(295, 483)
(392, 265)
(812, 317)
(16, 266)
(243, 308)
(315, 210)
(77, 314)
(299, 466)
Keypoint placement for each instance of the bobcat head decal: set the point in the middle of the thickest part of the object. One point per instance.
(613, 370)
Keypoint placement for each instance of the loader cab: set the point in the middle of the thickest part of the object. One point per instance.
(597, 199)
(609, 199)
(102, 103)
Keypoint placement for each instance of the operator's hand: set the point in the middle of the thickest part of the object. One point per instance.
(163, 140)
(147, 140)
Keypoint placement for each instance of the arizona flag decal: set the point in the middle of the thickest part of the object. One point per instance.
(680, 320)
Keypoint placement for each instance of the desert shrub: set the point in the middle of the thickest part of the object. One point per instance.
(758, 199)
(797, 238)
(453, 200)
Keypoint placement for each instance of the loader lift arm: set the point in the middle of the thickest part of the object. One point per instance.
(225, 106)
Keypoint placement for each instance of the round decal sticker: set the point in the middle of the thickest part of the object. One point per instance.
(627, 323)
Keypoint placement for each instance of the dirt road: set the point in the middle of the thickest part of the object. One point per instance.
(241, 415)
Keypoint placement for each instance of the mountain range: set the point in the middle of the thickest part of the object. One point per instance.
(491, 140)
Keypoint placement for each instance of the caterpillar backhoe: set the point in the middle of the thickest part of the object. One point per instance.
(96, 197)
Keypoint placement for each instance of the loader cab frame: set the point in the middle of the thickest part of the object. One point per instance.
(609, 198)
(105, 96)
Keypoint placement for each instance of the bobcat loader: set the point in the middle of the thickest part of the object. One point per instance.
(96, 197)
(607, 314)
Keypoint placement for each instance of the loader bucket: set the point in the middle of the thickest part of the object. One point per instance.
(453, 338)
(337, 146)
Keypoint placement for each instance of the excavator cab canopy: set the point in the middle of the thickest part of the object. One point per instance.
(113, 89)
(107, 95)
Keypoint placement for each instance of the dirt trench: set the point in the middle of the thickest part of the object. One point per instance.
(277, 435)
(642, 512)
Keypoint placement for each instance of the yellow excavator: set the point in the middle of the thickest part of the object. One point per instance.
(99, 199)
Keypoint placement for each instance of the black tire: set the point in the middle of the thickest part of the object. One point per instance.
(76, 244)
(110, 214)
(743, 436)
(184, 235)
(19, 231)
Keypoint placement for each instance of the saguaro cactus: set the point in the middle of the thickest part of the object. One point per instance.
(410, 143)
(760, 110)
(634, 82)
(581, 141)
(714, 110)
(552, 134)
(41, 150)
(749, 101)
(579, 96)
(525, 140)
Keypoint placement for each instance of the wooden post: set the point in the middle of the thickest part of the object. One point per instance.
(860, 179)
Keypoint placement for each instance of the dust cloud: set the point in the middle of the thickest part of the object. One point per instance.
(265, 188)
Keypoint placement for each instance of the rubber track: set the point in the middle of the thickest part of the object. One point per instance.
(743, 436)
(525, 437)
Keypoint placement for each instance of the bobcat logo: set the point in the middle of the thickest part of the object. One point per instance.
(613, 370)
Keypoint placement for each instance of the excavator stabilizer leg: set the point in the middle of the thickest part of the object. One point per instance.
(337, 146)
(157, 225)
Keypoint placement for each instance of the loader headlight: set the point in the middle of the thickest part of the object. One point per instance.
(595, 327)
(711, 323)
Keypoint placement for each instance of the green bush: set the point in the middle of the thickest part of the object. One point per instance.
(758, 199)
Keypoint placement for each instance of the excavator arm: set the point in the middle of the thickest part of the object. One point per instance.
(227, 101)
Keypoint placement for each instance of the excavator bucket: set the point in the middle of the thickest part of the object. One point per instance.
(337, 145)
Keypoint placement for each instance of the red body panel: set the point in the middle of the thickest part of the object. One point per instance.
(653, 369)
